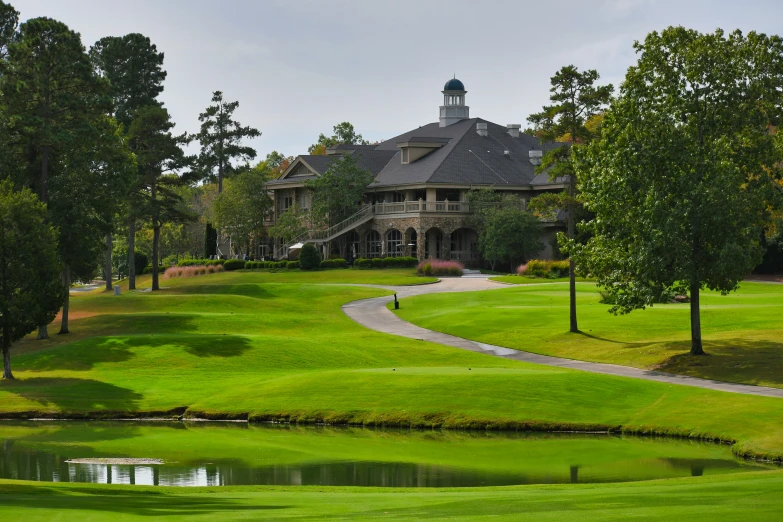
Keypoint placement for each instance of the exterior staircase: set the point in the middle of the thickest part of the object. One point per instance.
(364, 215)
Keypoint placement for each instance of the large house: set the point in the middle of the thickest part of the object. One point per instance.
(417, 205)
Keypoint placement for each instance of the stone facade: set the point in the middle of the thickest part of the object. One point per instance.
(414, 231)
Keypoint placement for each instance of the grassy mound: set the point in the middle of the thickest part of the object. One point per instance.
(749, 496)
(229, 346)
(742, 331)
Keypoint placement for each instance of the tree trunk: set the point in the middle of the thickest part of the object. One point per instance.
(696, 346)
(43, 332)
(7, 353)
(155, 242)
(107, 263)
(132, 254)
(67, 302)
(44, 172)
(574, 328)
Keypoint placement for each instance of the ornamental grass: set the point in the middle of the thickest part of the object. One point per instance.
(438, 267)
(191, 271)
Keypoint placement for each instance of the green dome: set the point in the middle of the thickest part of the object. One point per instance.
(454, 85)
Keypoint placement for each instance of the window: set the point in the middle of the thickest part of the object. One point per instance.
(288, 202)
(373, 244)
(304, 200)
(398, 197)
(394, 243)
(353, 244)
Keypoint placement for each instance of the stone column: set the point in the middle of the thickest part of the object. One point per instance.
(383, 244)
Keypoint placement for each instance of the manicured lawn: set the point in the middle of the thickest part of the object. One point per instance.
(752, 496)
(247, 344)
(521, 280)
(229, 345)
(743, 332)
(385, 276)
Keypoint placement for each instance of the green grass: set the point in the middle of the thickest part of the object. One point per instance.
(247, 344)
(751, 496)
(226, 345)
(522, 280)
(386, 276)
(742, 331)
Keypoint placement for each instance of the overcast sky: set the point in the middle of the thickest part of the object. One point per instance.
(299, 67)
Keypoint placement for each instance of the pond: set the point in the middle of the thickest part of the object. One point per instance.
(220, 454)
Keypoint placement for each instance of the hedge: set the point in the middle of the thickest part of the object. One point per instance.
(334, 263)
(290, 265)
(233, 264)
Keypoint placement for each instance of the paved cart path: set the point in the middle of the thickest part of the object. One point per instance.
(373, 314)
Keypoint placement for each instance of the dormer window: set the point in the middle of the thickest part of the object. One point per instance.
(416, 148)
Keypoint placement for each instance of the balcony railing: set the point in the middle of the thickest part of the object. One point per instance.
(417, 207)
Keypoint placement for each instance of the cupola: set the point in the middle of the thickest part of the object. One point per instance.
(453, 108)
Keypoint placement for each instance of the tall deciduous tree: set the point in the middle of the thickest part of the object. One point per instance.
(343, 133)
(30, 286)
(159, 155)
(338, 192)
(91, 179)
(134, 68)
(511, 235)
(679, 182)
(575, 100)
(241, 208)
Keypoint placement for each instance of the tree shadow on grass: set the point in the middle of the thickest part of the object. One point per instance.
(746, 361)
(210, 345)
(122, 501)
(74, 395)
(256, 291)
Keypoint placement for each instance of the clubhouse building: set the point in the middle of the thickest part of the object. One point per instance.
(417, 204)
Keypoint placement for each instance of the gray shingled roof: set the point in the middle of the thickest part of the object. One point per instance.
(464, 159)
(370, 159)
(467, 158)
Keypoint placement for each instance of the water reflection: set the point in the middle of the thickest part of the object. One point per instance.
(531, 459)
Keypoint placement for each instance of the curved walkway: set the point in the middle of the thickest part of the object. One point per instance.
(373, 314)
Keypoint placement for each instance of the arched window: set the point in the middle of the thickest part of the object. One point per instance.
(393, 243)
(353, 240)
(373, 244)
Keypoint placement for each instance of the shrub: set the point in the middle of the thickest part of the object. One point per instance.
(254, 265)
(548, 269)
(362, 262)
(233, 264)
(309, 259)
(400, 262)
(438, 267)
(377, 262)
(147, 269)
(334, 263)
(522, 269)
(290, 265)
(190, 271)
